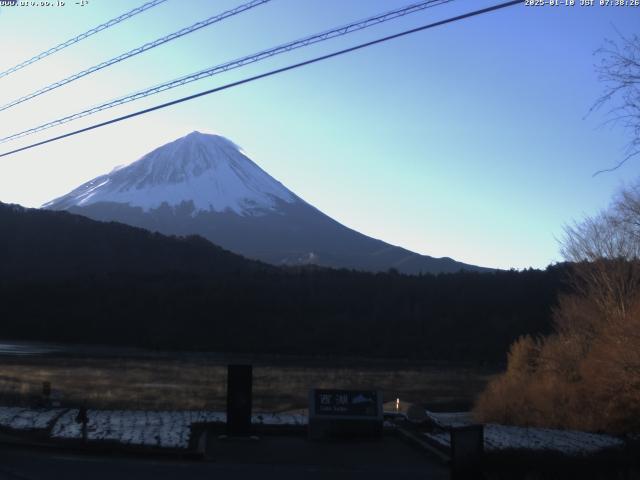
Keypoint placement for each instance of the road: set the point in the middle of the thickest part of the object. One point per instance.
(267, 458)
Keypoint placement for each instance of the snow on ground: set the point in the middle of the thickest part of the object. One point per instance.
(157, 429)
(172, 429)
(503, 437)
(450, 419)
(19, 418)
(169, 429)
(280, 419)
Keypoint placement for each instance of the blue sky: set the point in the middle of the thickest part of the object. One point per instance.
(468, 140)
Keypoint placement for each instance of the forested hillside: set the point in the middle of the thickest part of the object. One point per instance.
(86, 281)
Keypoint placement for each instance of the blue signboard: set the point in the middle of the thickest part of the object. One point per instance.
(352, 403)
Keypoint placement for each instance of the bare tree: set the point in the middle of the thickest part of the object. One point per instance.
(605, 250)
(628, 208)
(603, 318)
(619, 70)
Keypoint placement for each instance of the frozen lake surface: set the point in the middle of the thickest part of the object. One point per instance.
(18, 349)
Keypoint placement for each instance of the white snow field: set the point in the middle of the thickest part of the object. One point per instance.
(504, 437)
(19, 418)
(169, 429)
(157, 429)
(172, 429)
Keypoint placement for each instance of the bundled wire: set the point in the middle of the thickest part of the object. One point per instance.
(253, 58)
(268, 74)
(82, 36)
(138, 50)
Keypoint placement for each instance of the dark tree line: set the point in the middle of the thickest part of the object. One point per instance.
(66, 278)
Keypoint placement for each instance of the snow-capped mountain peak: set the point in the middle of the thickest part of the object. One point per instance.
(208, 170)
(214, 190)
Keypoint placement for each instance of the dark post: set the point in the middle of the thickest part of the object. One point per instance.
(83, 419)
(46, 394)
(239, 382)
(467, 449)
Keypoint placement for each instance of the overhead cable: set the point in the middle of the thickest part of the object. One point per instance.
(256, 57)
(82, 36)
(137, 51)
(267, 74)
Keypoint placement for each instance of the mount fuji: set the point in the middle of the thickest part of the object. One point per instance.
(204, 184)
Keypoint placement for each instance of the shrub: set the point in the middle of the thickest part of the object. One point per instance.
(586, 375)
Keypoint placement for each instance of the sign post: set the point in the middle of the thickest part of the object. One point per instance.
(341, 413)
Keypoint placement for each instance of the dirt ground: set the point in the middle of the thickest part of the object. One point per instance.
(199, 382)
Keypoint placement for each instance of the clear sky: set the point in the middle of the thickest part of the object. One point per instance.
(468, 140)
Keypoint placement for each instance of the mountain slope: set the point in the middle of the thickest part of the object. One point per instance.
(207, 170)
(45, 244)
(204, 184)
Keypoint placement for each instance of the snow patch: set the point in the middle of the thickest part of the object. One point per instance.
(19, 418)
(505, 437)
(165, 429)
(450, 419)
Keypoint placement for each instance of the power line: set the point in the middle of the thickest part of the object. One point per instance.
(82, 36)
(269, 74)
(319, 37)
(138, 50)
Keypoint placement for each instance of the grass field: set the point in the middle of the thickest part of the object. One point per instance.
(199, 382)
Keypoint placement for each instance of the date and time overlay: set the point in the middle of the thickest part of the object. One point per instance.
(46, 3)
(527, 3)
